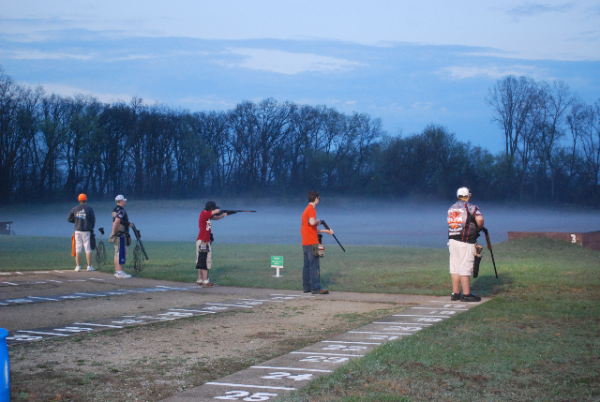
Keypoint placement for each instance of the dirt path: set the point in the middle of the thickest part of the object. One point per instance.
(152, 362)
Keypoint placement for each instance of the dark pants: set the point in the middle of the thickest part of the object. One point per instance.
(311, 280)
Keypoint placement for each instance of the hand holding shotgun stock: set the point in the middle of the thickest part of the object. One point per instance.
(338, 242)
(138, 236)
(489, 246)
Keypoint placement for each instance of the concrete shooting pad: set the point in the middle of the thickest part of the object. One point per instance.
(50, 304)
(294, 370)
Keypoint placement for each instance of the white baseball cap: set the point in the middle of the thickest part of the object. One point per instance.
(463, 192)
(120, 198)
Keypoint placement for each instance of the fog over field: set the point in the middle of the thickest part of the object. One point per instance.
(354, 222)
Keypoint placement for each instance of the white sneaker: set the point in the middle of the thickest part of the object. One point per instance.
(122, 275)
(77, 268)
(90, 268)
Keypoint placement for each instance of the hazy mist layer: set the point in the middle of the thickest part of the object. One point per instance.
(360, 223)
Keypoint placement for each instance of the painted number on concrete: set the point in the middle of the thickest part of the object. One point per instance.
(324, 359)
(403, 329)
(23, 338)
(344, 347)
(383, 337)
(236, 395)
(283, 375)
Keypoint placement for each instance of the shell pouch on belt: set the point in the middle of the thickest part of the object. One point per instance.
(203, 249)
(318, 250)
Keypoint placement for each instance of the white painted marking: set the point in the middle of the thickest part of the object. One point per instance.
(192, 311)
(10, 283)
(324, 354)
(70, 297)
(41, 272)
(76, 280)
(43, 298)
(378, 333)
(25, 338)
(424, 316)
(291, 368)
(179, 314)
(98, 325)
(127, 322)
(396, 322)
(229, 305)
(89, 294)
(228, 384)
(258, 300)
(436, 308)
(18, 273)
(4, 304)
(360, 343)
(42, 333)
(74, 329)
(325, 359)
(5, 273)
(52, 280)
(96, 279)
(19, 301)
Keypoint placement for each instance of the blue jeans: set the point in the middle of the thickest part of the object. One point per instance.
(311, 280)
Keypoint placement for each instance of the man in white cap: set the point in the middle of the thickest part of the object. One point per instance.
(119, 235)
(464, 221)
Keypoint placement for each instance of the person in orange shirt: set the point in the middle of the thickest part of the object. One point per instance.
(311, 281)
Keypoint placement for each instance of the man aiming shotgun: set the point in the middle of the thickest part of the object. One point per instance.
(203, 243)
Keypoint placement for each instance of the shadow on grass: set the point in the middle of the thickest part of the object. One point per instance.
(488, 285)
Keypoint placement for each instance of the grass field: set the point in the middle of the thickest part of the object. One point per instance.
(537, 340)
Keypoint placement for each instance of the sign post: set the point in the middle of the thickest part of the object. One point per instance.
(277, 263)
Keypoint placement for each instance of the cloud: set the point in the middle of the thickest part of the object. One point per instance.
(282, 62)
(39, 55)
(494, 72)
(422, 105)
(531, 10)
(69, 91)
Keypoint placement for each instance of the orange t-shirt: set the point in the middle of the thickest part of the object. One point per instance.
(309, 233)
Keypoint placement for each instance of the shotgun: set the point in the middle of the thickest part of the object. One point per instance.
(138, 236)
(336, 239)
(489, 246)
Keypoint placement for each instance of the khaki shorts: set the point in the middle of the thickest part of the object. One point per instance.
(208, 257)
(82, 241)
(117, 243)
(462, 257)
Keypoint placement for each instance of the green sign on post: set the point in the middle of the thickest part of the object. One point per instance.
(277, 263)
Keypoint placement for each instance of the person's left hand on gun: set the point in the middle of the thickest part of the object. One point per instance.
(328, 231)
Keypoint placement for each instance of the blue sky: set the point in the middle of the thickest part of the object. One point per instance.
(409, 63)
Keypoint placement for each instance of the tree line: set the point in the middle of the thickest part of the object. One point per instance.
(53, 147)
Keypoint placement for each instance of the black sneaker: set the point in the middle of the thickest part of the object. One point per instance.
(306, 291)
(455, 296)
(470, 298)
